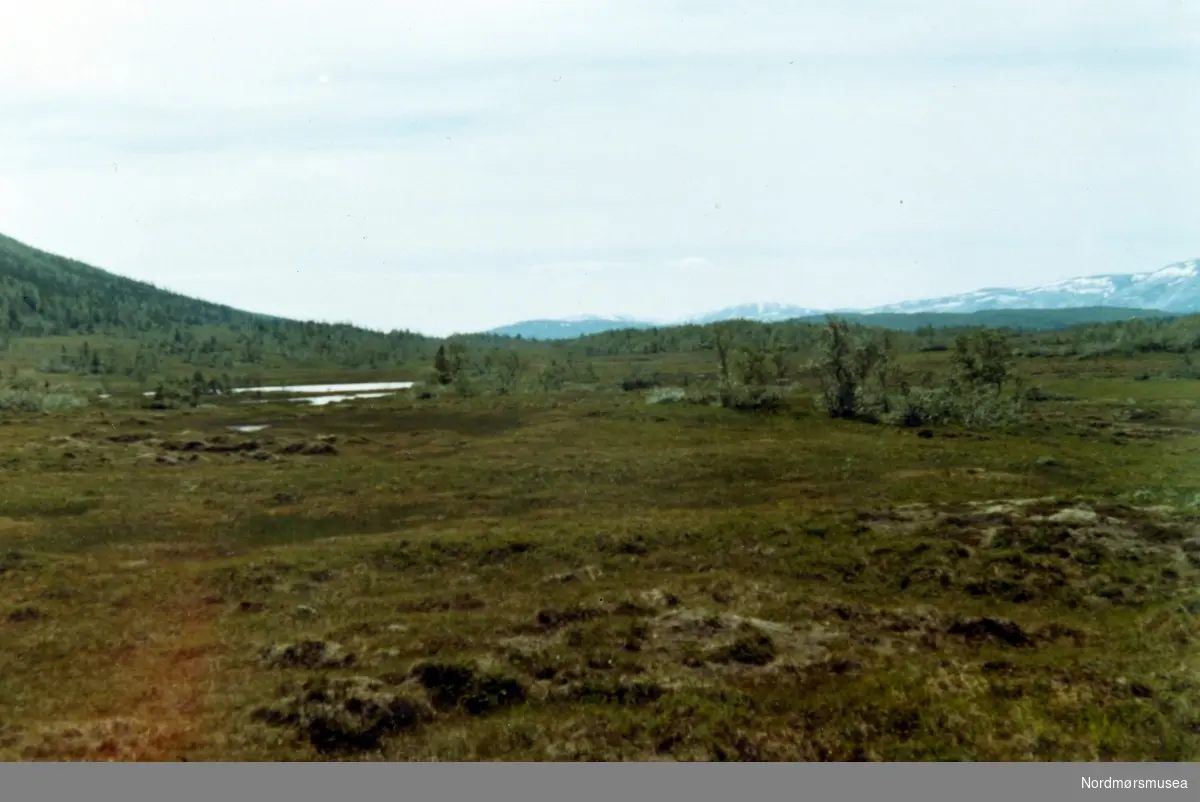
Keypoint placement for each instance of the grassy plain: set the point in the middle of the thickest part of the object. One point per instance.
(586, 576)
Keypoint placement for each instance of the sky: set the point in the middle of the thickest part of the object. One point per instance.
(454, 165)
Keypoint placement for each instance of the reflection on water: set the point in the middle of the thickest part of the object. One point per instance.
(330, 393)
(360, 387)
(322, 400)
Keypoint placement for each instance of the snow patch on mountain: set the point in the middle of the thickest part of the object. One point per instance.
(763, 312)
(593, 318)
(1174, 288)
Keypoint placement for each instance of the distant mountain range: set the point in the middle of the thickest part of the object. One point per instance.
(570, 328)
(1175, 289)
(764, 313)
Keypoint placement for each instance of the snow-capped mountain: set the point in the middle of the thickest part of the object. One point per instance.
(1174, 288)
(762, 312)
(606, 318)
(569, 328)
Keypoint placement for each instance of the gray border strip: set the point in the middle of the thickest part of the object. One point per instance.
(532, 782)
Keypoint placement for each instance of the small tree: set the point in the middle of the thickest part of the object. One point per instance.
(838, 387)
(722, 340)
(755, 371)
(849, 358)
(885, 371)
(441, 366)
(552, 376)
(448, 363)
(983, 359)
(507, 368)
(779, 362)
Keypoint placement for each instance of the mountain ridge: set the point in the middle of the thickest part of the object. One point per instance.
(1173, 289)
(44, 294)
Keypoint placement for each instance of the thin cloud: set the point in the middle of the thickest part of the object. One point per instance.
(469, 163)
(690, 264)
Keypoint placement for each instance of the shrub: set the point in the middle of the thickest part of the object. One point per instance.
(985, 410)
(19, 400)
(53, 402)
(507, 371)
(449, 363)
(849, 359)
(755, 368)
(927, 407)
(973, 407)
(45, 400)
(1098, 349)
(464, 386)
(1186, 369)
(983, 358)
(752, 399)
(553, 376)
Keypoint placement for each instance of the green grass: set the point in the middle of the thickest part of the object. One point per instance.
(585, 576)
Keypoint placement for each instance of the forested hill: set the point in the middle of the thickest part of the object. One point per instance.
(59, 315)
(137, 329)
(42, 294)
(62, 316)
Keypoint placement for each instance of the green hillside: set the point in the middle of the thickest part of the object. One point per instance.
(60, 316)
(43, 295)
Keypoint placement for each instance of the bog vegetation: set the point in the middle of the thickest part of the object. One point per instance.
(800, 541)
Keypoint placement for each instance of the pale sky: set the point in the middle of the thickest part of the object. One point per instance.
(453, 165)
